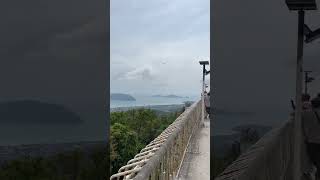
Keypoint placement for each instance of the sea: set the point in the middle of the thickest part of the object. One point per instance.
(90, 130)
(149, 100)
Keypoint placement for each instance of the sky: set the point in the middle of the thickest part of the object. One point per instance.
(254, 47)
(155, 46)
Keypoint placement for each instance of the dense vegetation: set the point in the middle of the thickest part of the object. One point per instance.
(74, 165)
(132, 130)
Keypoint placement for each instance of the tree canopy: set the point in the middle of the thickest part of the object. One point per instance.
(132, 130)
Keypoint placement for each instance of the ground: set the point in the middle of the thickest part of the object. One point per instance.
(196, 164)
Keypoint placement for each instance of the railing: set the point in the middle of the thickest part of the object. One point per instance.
(162, 157)
(269, 159)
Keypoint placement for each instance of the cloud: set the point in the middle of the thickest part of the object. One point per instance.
(141, 73)
(158, 42)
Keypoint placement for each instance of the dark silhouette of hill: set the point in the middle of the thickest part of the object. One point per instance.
(121, 97)
(31, 111)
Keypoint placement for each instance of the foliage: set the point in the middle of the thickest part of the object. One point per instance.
(124, 145)
(132, 130)
(188, 103)
(74, 165)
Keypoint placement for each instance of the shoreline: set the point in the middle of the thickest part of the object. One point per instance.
(162, 107)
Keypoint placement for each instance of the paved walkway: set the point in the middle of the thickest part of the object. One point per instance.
(196, 163)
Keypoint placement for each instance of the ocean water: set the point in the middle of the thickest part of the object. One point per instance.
(89, 130)
(146, 100)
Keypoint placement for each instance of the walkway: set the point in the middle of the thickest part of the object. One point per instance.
(196, 163)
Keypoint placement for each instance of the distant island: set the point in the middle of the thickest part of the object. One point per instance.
(168, 96)
(32, 111)
(121, 97)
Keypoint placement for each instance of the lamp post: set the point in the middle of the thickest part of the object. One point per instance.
(203, 63)
(300, 6)
(307, 79)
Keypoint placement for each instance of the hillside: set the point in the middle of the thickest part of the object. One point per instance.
(31, 111)
(121, 97)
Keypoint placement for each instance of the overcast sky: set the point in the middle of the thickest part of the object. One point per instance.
(254, 43)
(156, 45)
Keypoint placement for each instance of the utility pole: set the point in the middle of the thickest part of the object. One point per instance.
(301, 6)
(298, 110)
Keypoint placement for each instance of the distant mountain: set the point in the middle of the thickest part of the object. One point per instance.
(168, 96)
(121, 97)
(31, 111)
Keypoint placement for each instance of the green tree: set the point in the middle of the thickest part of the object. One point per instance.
(134, 129)
(124, 145)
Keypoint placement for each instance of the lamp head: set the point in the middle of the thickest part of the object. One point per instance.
(204, 62)
(301, 5)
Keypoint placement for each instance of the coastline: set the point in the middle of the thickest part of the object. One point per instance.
(163, 108)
